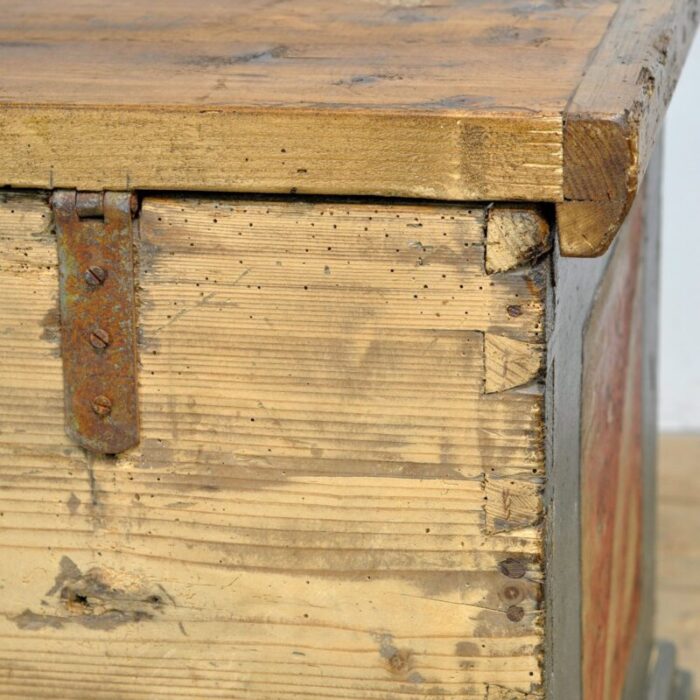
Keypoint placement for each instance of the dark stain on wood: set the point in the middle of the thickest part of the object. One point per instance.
(263, 56)
(51, 330)
(98, 599)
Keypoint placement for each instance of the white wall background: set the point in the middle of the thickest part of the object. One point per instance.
(679, 381)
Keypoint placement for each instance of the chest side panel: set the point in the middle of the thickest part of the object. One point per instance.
(617, 461)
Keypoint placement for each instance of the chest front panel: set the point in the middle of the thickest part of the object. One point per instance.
(337, 487)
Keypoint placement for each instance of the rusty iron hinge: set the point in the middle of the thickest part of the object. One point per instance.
(98, 317)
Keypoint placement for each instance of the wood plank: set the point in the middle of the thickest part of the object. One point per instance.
(576, 284)
(305, 514)
(446, 100)
(612, 470)
(301, 151)
(615, 117)
(582, 464)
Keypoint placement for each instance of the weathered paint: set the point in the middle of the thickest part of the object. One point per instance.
(612, 471)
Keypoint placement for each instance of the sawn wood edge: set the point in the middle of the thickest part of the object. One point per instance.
(614, 118)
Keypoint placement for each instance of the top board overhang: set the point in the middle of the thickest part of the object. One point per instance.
(441, 99)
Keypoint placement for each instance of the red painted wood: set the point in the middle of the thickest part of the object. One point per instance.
(611, 469)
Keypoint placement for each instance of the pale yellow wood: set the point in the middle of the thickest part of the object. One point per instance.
(510, 363)
(305, 514)
(511, 504)
(497, 693)
(515, 235)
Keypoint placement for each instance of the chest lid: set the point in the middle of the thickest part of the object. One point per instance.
(444, 99)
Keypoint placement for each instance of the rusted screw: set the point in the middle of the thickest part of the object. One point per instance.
(99, 339)
(101, 405)
(95, 275)
(514, 310)
(515, 613)
(513, 568)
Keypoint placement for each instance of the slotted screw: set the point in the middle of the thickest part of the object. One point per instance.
(101, 405)
(515, 613)
(95, 275)
(99, 339)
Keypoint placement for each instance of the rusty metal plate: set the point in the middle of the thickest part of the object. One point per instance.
(98, 325)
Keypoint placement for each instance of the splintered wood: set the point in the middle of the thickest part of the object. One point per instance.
(326, 502)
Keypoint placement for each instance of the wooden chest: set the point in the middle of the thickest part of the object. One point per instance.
(327, 348)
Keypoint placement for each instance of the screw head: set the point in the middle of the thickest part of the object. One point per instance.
(95, 275)
(513, 568)
(99, 339)
(514, 310)
(515, 613)
(101, 405)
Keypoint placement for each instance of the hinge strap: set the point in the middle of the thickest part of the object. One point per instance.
(98, 317)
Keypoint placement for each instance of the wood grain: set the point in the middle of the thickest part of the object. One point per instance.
(612, 469)
(511, 363)
(446, 100)
(615, 116)
(515, 236)
(304, 151)
(305, 515)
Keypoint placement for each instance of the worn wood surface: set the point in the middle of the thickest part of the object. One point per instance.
(325, 502)
(515, 235)
(612, 469)
(575, 284)
(378, 98)
(539, 101)
(614, 118)
(444, 100)
(600, 496)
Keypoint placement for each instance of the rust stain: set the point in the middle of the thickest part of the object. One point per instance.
(97, 309)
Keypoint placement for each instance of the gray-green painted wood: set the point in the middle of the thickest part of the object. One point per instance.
(575, 283)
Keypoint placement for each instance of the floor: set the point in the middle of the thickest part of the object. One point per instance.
(678, 558)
